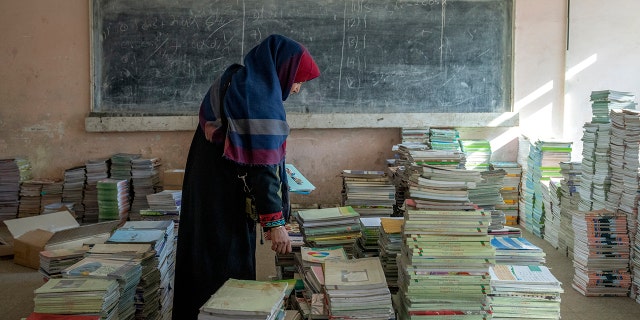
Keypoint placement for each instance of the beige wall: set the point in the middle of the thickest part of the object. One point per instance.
(45, 97)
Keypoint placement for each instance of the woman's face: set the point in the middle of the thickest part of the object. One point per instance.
(295, 88)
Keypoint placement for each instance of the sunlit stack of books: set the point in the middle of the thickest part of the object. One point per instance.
(78, 296)
(369, 192)
(517, 251)
(477, 154)
(163, 205)
(524, 292)
(596, 175)
(486, 195)
(601, 254)
(246, 299)
(510, 190)
(357, 289)
(390, 244)
(160, 235)
(444, 139)
(444, 264)
(328, 227)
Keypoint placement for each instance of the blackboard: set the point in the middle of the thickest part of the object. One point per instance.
(159, 57)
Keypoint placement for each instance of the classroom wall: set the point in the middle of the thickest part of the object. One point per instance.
(45, 97)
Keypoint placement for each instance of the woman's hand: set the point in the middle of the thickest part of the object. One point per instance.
(280, 242)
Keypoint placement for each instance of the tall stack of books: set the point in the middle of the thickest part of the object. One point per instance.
(390, 244)
(246, 299)
(552, 219)
(524, 292)
(543, 163)
(73, 189)
(601, 254)
(357, 289)
(159, 234)
(603, 101)
(596, 176)
(486, 194)
(369, 192)
(9, 189)
(327, 227)
(147, 290)
(96, 170)
(113, 199)
(367, 244)
(510, 190)
(145, 180)
(569, 201)
(444, 264)
(81, 296)
(127, 274)
(477, 154)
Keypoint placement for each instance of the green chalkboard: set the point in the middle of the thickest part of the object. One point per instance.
(158, 57)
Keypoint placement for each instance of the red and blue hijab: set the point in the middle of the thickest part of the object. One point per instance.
(256, 124)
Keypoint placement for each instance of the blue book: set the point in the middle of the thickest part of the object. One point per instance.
(297, 182)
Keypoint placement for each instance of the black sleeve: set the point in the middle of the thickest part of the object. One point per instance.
(265, 183)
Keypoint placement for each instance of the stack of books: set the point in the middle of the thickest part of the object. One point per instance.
(477, 153)
(517, 251)
(601, 254)
(524, 292)
(113, 199)
(246, 299)
(127, 274)
(596, 174)
(121, 165)
(78, 296)
(51, 194)
(415, 135)
(52, 262)
(30, 198)
(510, 190)
(390, 245)
(165, 202)
(367, 244)
(145, 180)
(96, 170)
(603, 101)
(369, 192)
(444, 139)
(72, 189)
(285, 262)
(147, 290)
(9, 189)
(357, 289)
(552, 218)
(326, 227)
(569, 201)
(486, 195)
(434, 188)
(444, 263)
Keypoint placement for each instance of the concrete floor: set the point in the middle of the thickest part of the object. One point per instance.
(17, 284)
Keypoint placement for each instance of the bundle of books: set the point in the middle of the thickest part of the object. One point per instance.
(486, 195)
(510, 190)
(444, 139)
(163, 205)
(477, 153)
(121, 165)
(569, 201)
(96, 170)
(357, 289)
(552, 220)
(434, 188)
(78, 296)
(369, 192)
(367, 244)
(145, 180)
(444, 264)
(517, 251)
(72, 189)
(52, 262)
(9, 189)
(335, 226)
(415, 135)
(246, 299)
(113, 199)
(30, 197)
(524, 292)
(601, 254)
(390, 244)
(147, 291)
(160, 235)
(126, 273)
(603, 101)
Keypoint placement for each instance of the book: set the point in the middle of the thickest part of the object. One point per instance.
(297, 182)
(309, 216)
(249, 298)
(322, 254)
(364, 273)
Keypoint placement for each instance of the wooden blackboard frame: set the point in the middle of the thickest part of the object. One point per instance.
(300, 115)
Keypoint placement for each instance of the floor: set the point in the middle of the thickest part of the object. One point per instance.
(17, 284)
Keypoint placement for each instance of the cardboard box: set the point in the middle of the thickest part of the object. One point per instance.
(53, 231)
(173, 179)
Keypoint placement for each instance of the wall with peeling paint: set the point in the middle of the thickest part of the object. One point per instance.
(45, 97)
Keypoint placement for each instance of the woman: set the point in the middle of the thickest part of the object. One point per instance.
(235, 172)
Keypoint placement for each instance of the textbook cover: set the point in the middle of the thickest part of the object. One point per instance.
(297, 182)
